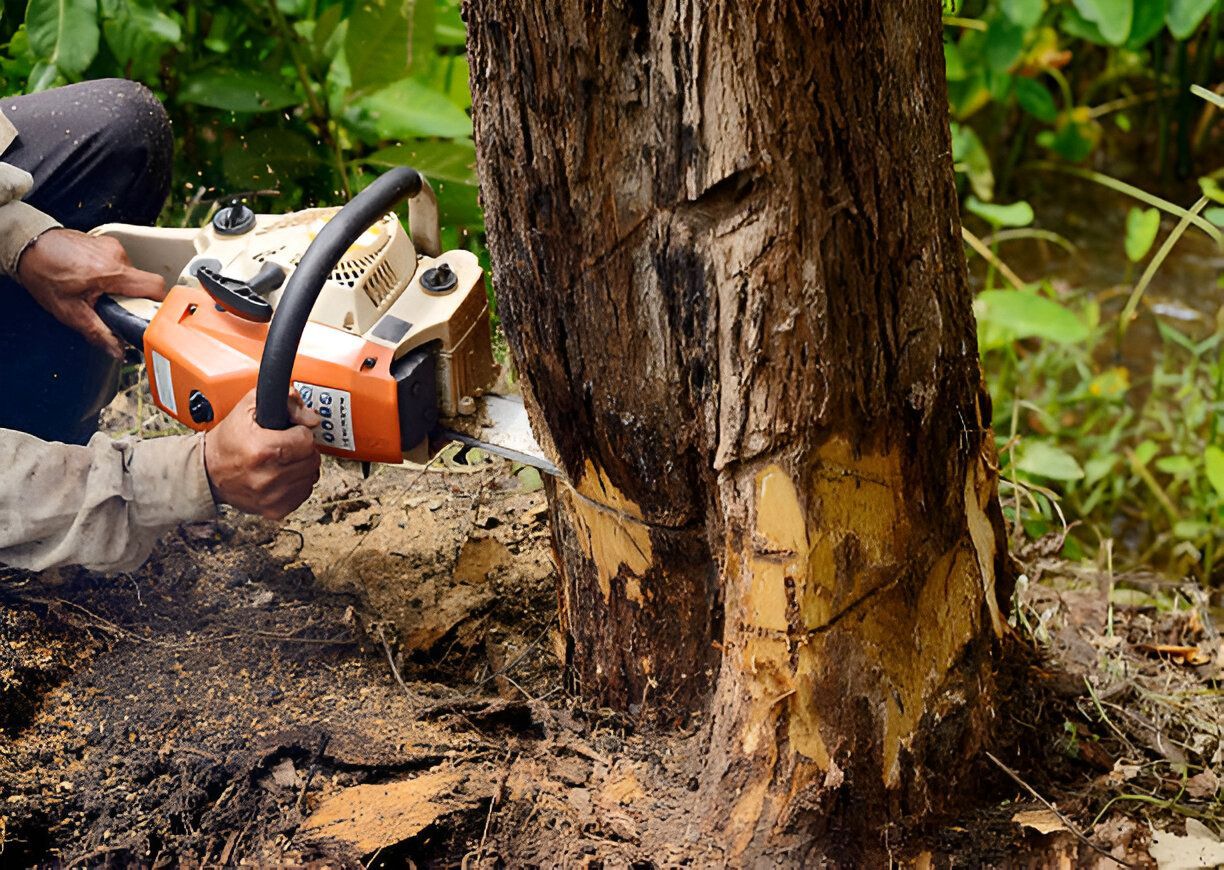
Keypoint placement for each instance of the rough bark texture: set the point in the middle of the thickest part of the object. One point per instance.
(727, 255)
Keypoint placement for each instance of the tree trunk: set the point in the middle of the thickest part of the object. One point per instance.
(727, 255)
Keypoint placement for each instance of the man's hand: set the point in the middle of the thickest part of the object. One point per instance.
(263, 471)
(66, 271)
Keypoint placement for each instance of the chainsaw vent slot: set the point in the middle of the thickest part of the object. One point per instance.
(349, 272)
(381, 283)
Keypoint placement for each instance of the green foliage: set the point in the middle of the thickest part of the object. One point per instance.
(1140, 460)
(288, 102)
(1006, 316)
(1043, 89)
(1064, 78)
(1018, 214)
(63, 37)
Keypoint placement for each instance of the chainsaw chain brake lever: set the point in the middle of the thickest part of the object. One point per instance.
(242, 298)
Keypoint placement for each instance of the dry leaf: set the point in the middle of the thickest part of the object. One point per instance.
(1043, 821)
(1203, 785)
(1122, 772)
(1199, 849)
(1186, 655)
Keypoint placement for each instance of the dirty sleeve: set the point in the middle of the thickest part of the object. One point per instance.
(20, 222)
(102, 505)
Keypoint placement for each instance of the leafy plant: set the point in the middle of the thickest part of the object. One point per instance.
(293, 102)
(1061, 78)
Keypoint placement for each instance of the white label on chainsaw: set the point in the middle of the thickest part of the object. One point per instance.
(336, 409)
(164, 382)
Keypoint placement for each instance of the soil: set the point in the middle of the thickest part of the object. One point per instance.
(376, 682)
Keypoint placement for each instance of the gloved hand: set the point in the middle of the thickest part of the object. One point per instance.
(66, 271)
(261, 471)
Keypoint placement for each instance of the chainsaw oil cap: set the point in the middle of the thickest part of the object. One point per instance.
(234, 220)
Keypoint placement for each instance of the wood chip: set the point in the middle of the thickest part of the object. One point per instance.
(1043, 821)
(373, 817)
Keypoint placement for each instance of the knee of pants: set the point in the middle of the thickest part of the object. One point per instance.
(136, 146)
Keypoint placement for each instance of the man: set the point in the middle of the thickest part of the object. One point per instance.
(74, 158)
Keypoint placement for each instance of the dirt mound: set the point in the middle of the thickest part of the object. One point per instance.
(199, 709)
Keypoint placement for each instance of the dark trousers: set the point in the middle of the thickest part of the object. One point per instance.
(99, 151)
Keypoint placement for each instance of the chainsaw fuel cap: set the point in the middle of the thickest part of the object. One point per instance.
(440, 279)
(234, 220)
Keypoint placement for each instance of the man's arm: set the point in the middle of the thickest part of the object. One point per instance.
(104, 505)
(20, 222)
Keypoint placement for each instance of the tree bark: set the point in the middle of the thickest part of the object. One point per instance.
(726, 249)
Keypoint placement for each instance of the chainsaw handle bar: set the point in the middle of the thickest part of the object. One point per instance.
(300, 293)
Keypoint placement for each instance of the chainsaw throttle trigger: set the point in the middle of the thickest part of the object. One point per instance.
(242, 298)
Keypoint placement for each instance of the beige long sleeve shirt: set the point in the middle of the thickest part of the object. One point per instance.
(20, 222)
(103, 505)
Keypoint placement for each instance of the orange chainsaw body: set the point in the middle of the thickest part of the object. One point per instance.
(390, 347)
(194, 349)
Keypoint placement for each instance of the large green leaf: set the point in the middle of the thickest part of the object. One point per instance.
(409, 109)
(1025, 13)
(1112, 17)
(138, 33)
(1075, 25)
(453, 161)
(970, 157)
(1149, 21)
(238, 91)
(1004, 44)
(1184, 16)
(449, 29)
(329, 33)
(1007, 315)
(1016, 214)
(64, 33)
(424, 29)
(377, 43)
(1035, 99)
(267, 157)
(1042, 459)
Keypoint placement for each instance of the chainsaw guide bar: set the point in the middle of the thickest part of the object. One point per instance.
(381, 333)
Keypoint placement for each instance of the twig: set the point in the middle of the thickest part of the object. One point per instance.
(503, 671)
(1067, 823)
(990, 257)
(324, 739)
(391, 661)
(501, 784)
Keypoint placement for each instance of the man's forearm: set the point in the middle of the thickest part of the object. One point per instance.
(103, 505)
(20, 222)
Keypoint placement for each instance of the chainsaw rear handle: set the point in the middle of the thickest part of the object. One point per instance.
(300, 293)
(128, 326)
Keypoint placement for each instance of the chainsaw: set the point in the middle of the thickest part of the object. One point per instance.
(381, 333)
